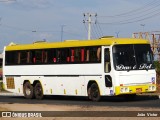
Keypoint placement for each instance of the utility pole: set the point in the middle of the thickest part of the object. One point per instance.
(89, 21)
(117, 34)
(62, 26)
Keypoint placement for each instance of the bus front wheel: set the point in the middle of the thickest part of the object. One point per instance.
(28, 90)
(38, 91)
(93, 92)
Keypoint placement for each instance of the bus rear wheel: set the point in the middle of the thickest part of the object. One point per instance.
(38, 91)
(93, 92)
(28, 90)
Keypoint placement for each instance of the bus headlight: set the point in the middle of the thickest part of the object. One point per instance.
(124, 89)
(152, 88)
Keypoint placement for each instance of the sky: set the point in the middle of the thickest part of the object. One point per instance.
(27, 21)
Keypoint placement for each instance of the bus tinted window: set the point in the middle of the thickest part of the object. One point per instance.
(23, 57)
(93, 54)
(77, 55)
(11, 57)
(133, 57)
(54, 56)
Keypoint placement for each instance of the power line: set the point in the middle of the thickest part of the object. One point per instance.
(133, 21)
(94, 31)
(85, 26)
(146, 12)
(98, 27)
(141, 17)
(144, 8)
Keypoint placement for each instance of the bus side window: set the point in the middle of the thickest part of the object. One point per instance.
(28, 56)
(54, 55)
(34, 60)
(87, 55)
(45, 56)
(39, 56)
(77, 55)
(68, 54)
(72, 55)
(24, 57)
(58, 56)
(107, 60)
(99, 54)
(82, 55)
(19, 57)
(94, 54)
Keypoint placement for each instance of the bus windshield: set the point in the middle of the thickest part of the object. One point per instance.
(133, 57)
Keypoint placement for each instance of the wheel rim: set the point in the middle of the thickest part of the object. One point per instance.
(28, 91)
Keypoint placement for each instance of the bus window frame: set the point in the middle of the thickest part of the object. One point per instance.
(57, 56)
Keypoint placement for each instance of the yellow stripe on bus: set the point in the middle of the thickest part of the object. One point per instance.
(76, 43)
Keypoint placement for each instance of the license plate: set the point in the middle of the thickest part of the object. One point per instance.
(138, 90)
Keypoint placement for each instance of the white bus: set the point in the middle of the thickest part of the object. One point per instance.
(93, 68)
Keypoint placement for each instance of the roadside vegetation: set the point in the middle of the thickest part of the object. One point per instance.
(157, 66)
(0, 73)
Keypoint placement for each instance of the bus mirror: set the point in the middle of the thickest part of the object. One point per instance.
(107, 55)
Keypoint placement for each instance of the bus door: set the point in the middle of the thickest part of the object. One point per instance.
(107, 71)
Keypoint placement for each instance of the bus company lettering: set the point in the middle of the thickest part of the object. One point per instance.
(141, 67)
(145, 66)
(122, 67)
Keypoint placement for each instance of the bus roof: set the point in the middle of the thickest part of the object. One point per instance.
(76, 43)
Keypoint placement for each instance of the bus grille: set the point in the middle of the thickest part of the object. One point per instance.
(10, 83)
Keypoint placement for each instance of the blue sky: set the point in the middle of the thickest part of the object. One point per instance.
(26, 21)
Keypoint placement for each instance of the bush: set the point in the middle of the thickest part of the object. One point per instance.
(157, 66)
(1, 85)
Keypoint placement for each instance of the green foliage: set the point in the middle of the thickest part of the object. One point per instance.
(157, 66)
(1, 86)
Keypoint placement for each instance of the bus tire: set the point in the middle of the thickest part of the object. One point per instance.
(38, 91)
(94, 93)
(28, 90)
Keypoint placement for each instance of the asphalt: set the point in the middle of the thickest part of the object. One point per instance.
(6, 93)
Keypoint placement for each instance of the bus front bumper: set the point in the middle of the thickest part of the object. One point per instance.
(121, 90)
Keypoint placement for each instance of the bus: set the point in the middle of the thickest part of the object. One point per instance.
(91, 68)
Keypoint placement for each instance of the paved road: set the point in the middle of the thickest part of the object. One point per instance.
(140, 101)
